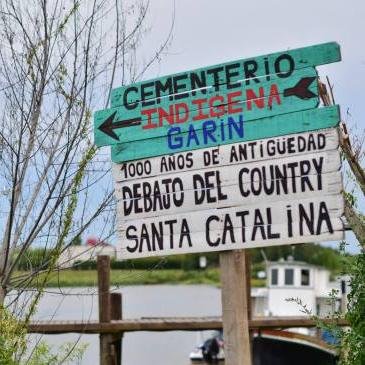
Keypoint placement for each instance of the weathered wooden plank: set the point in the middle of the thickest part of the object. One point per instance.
(103, 267)
(200, 245)
(196, 218)
(274, 97)
(265, 224)
(231, 154)
(216, 196)
(236, 131)
(326, 160)
(259, 67)
(229, 186)
(116, 314)
(331, 184)
(168, 324)
(249, 93)
(235, 308)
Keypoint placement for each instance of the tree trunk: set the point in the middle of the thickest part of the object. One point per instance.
(356, 223)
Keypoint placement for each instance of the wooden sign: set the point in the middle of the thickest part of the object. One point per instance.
(236, 152)
(236, 129)
(223, 158)
(206, 98)
(250, 194)
(207, 106)
(253, 69)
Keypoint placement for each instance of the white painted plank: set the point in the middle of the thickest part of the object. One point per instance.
(232, 189)
(329, 161)
(323, 162)
(317, 141)
(201, 246)
(171, 201)
(334, 204)
(331, 182)
(261, 227)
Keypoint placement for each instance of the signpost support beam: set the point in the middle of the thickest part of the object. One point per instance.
(116, 314)
(248, 290)
(235, 308)
(103, 267)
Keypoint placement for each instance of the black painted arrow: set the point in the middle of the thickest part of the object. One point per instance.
(108, 125)
(301, 90)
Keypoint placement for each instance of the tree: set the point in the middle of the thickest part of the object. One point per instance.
(76, 241)
(58, 62)
(352, 339)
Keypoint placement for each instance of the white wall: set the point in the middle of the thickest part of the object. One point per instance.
(321, 279)
(310, 295)
(278, 294)
(278, 305)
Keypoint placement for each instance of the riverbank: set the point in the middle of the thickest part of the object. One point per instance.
(88, 278)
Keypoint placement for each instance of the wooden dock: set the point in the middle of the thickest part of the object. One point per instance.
(167, 324)
(111, 325)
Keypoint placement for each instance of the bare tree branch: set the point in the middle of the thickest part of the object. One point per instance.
(354, 219)
(59, 60)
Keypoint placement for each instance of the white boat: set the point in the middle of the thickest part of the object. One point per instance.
(286, 279)
(274, 347)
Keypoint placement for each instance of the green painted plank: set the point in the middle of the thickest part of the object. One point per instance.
(261, 67)
(273, 97)
(297, 122)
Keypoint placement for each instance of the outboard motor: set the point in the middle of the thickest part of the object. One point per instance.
(210, 350)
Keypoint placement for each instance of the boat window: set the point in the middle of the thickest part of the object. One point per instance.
(289, 276)
(305, 277)
(274, 276)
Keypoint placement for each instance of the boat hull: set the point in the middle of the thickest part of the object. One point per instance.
(283, 348)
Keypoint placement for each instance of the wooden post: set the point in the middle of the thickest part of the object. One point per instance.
(116, 314)
(248, 290)
(248, 282)
(237, 348)
(103, 266)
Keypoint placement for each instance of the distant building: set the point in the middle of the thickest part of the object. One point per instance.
(294, 279)
(88, 252)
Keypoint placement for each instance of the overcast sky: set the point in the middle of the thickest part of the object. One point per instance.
(208, 32)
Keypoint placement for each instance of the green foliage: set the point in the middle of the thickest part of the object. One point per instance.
(350, 340)
(351, 198)
(12, 336)
(88, 278)
(353, 338)
(76, 241)
(179, 262)
(313, 254)
(68, 353)
(13, 346)
(309, 252)
(37, 258)
(256, 267)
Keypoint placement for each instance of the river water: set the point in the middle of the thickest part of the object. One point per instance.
(139, 348)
